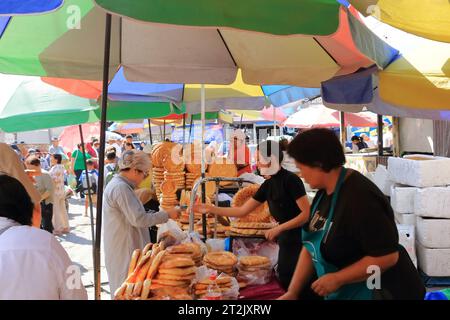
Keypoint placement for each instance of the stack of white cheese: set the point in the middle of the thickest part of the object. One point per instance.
(421, 196)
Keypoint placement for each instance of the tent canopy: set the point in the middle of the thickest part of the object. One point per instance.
(27, 7)
(428, 19)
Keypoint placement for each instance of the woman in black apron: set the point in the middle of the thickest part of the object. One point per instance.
(351, 239)
(288, 203)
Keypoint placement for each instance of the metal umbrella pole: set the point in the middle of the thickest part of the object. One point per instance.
(203, 107)
(190, 128)
(184, 144)
(164, 139)
(101, 162)
(91, 209)
(150, 131)
(380, 134)
(342, 130)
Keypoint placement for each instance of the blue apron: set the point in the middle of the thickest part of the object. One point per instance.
(312, 241)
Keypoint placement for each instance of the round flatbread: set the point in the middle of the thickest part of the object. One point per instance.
(178, 271)
(165, 276)
(177, 262)
(168, 187)
(254, 260)
(173, 283)
(253, 225)
(260, 214)
(249, 232)
(220, 258)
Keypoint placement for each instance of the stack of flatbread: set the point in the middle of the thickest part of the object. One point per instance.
(222, 169)
(251, 228)
(158, 178)
(260, 214)
(175, 269)
(254, 267)
(162, 155)
(222, 261)
(168, 198)
(191, 177)
(188, 249)
(193, 158)
(201, 288)
(170, 293)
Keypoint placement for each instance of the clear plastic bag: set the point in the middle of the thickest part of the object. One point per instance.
(171, 233)
(256, 248)
(205, 273)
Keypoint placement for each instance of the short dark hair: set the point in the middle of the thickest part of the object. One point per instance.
(57, 157)
(15, 202)
(318, 148)
(79, 145)
(89, 162)
(356, 138)
(34, 161)
(283, 144)
(270, 148)
(111, 155)
(129, 136)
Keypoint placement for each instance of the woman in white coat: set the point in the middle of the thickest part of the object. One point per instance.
(126, 222)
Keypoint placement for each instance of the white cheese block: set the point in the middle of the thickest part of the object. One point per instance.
(407, 239)
(405, 218)
(433, 172)
(434, 262)
(433, 233)
(432, 202)
(382, 180)
(402, 199)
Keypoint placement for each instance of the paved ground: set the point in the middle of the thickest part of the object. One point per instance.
(78, 244)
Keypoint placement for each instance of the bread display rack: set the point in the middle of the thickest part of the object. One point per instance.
(218, 181)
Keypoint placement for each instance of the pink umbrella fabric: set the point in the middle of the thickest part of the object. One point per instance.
(319, 116)
(70, 136)
(267, 114)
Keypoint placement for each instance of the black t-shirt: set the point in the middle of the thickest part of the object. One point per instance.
(364, 225)
(281, 191)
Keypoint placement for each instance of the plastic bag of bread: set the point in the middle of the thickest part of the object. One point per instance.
(254, 270)
(228, 286)
(256, 247)
(171, 233)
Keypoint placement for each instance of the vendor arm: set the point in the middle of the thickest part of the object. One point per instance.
(357, 272)
(298, 221)
(302, 275)
(250, 205)
(134, 211)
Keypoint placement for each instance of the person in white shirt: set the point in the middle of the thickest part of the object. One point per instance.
(388, 139)
(33, 264)
(125, 220)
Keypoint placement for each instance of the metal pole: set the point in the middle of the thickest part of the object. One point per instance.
(164, 139)
(150, 131)
(380, 134)
(274, 121)
(190, 128)
(184, 145)
(342, 130)
(91, 209)
(101, 162)
(203, 98)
